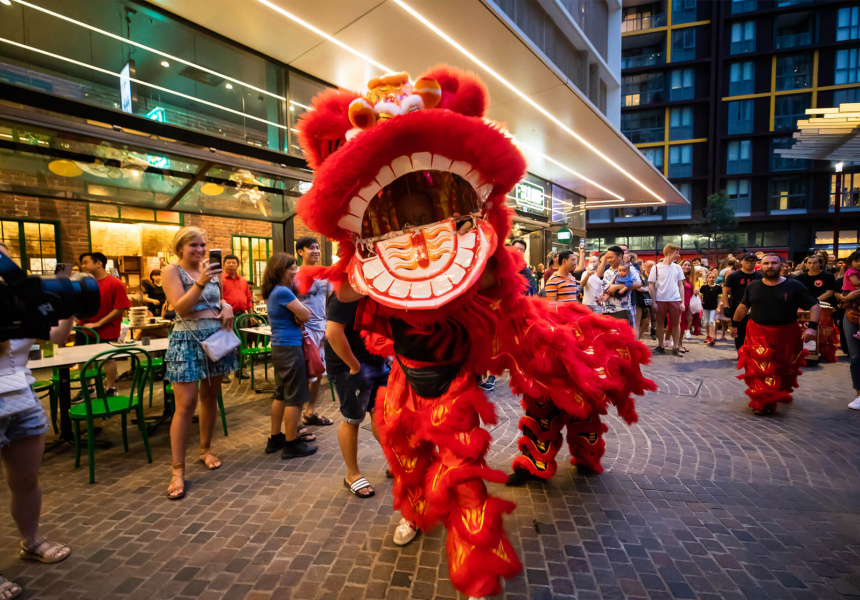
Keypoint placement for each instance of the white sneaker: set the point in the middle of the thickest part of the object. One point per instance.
(855, 404)
(404, 533)
(687, 335)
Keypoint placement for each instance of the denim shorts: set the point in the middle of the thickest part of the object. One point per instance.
(23, 424)
(357, 393)
(185, 360)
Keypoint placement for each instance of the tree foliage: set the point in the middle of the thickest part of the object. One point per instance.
(716, 224)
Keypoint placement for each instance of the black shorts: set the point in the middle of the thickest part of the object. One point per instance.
(291, 375)
(357, 393)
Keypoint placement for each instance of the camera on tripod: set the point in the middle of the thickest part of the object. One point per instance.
(31, 304)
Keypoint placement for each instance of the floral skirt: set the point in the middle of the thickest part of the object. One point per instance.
(186, 361)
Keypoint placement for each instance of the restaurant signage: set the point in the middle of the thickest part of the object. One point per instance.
(529, 194)
(564, 235)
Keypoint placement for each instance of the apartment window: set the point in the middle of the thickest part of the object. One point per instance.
(684, 44)
(643, 89)
(644, 126)
(793, 35)
(654, 156)
(789, 195)
(742, 78)
(683, 11)
(780, 163)
(846, 96)
(681, 123)
(683, 85)
(743, 6)
(738, 191)
(680, 211)
(601, 215)
(788, 109)
(794, 72)
(638, 213)
(848, 24)
(739, 157)
(253, 253)
(847, 70)
(743, 37)
(639, 18)
(850, 191)
(32, 245)
(681, 161)
(642, 57)
(740, 117)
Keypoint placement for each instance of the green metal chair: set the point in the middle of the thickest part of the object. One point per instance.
(157, 367)
(168, 391)
(52, 386)
(252, 347)
(97, 405)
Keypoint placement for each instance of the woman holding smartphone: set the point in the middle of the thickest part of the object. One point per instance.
(193, 289)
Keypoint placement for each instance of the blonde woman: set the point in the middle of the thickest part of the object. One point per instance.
(193, 290)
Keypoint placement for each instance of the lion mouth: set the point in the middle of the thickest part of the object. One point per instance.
(420, 231)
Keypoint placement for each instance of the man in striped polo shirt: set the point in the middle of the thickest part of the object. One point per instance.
(562, 286)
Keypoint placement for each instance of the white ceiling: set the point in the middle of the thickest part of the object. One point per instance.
(389, 35)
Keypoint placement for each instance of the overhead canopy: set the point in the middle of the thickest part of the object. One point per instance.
(347, 42)
(829, 134)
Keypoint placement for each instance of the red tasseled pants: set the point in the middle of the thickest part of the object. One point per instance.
(542, 438)
(771, 358)
(828, 336)
(436, 449)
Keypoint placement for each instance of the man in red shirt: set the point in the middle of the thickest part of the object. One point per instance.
(237, 293)
(107, 323)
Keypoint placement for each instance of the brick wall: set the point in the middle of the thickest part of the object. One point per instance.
(72, 216)
(220, 229)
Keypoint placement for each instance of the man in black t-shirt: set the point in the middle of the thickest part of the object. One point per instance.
(733, 290)
(772, 353)
(356, 375)
(820, 283)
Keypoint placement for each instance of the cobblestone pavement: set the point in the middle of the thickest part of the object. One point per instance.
(701, 499)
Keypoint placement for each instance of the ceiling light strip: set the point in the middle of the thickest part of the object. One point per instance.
(322, 34)
(522, 95)
(145, 47)
(144, 83)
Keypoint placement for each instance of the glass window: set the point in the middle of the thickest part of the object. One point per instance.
(681, 123)
(848, 23)
(253, 253)
(641, 243)
(644, 88)
(791, 34)
(683, 11)
(742, 6)
(738, 191)
(743, 37)
(850, 191)
(739, 156)
(654, 156)
(740, 117)
(789, 195)
(780, 163)
(600, 215)
(846, 96)
(681, 161)
(845, 237)
(788, 109)
(642, 57)
(683, 84)
(32, 245)
(644, 126)
(847, 70)
(684, 44)
(680, 211)
(639, 18)
(794, 72)
(638, 213)
(742, 78)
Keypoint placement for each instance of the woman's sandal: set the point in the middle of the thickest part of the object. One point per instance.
(359, 484)
(305, 435)
(316, 419)
(9, 589)
(45, 552)
(177, 492)
(210, 460)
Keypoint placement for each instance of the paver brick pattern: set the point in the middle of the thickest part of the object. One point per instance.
(700, 499)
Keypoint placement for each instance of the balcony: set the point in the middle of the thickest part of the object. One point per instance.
(793, 40)
(645, 135)
(643, 60)
(643, 22)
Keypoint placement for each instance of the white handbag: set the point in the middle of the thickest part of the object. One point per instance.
(16, 395)
(220, 344)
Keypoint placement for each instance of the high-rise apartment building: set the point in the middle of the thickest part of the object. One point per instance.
(710, 91)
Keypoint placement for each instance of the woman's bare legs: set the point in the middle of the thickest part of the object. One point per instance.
(209, 389)
(21, 460)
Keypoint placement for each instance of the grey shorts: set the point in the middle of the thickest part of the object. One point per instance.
(291, 375)
(23, 424)
(357, 393)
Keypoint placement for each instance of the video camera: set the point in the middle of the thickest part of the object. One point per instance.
(31, 304)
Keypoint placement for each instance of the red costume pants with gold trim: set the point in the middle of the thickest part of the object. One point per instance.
(542, 438)
(436, 451)
(771, 358)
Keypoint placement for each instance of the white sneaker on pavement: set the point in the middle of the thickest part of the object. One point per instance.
(687, 333)
(855, 404)
(404, 533)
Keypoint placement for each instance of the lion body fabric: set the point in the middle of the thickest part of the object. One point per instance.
(568, 364)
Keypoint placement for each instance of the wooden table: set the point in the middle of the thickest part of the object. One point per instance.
(159, 324)
(63, 360)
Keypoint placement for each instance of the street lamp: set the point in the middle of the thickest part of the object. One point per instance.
(838, 205)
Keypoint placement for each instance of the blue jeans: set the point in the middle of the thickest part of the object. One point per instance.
(853, 350)
(358, 392)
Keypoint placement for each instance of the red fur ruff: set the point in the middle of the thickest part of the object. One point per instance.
(828, 337)
(771, 358)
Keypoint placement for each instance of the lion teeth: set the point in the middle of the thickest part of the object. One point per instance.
(400, 166)
(385, 176)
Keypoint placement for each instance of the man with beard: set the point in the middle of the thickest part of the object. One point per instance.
(734, 287)
(772, 353)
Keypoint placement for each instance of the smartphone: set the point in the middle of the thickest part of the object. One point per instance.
(215, 257)
(63, 269)
(582, 243)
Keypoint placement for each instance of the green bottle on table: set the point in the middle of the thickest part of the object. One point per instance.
(47, 348)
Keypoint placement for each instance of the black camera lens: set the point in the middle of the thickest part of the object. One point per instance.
(78, 295)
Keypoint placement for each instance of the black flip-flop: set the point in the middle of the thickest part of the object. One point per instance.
(306, 436)
(316, 420)
(359, 484)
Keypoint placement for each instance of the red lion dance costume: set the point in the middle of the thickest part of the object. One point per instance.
(411, 181)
